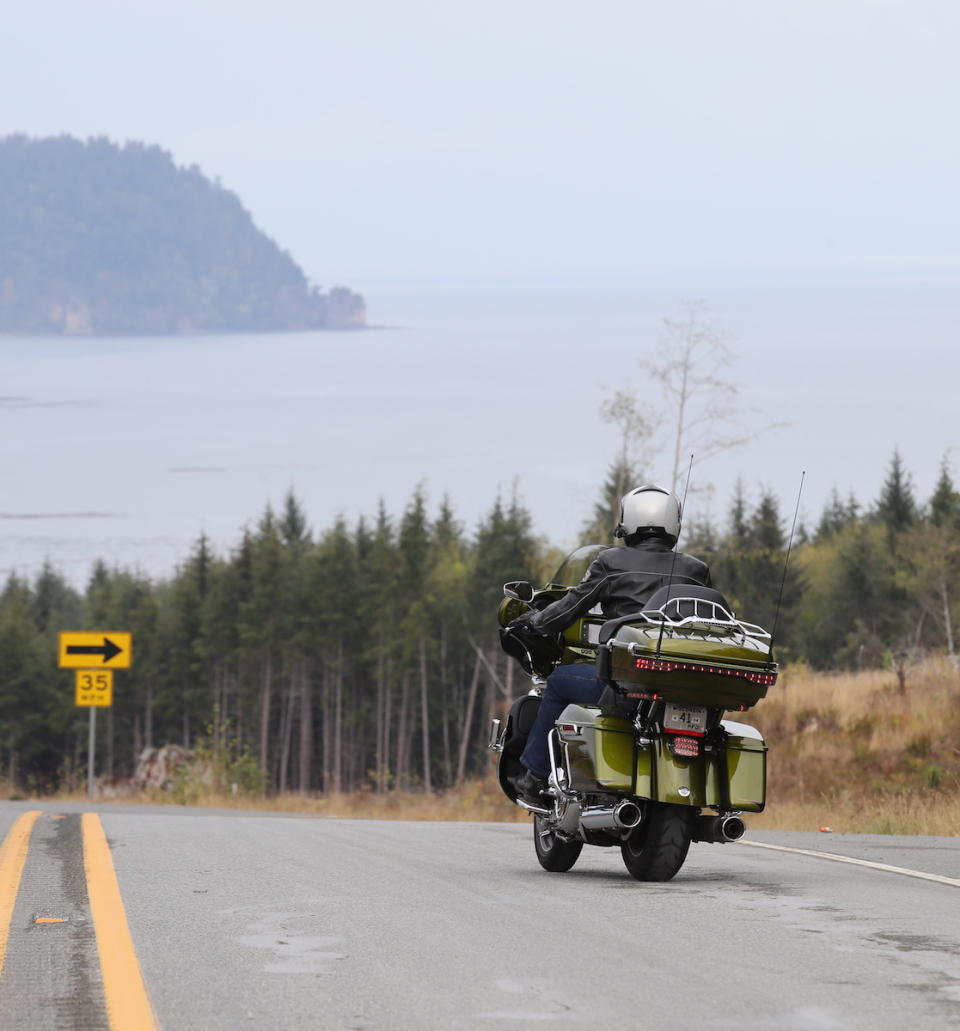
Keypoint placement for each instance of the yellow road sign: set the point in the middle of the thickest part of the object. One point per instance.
(84, 649)
(94, 687)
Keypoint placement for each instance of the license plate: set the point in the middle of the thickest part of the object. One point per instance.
(685, 717)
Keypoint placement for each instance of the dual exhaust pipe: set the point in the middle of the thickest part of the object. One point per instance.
(626, 815)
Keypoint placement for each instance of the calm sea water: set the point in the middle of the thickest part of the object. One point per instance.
(127, 449)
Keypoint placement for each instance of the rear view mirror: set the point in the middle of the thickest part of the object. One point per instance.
(522, 590)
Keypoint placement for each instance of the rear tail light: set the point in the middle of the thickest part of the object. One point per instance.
(683, 747)
(667, 666)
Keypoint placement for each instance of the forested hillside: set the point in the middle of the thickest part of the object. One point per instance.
(99, 238)
(367, 656)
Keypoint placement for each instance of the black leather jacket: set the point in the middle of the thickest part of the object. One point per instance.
(621, 580)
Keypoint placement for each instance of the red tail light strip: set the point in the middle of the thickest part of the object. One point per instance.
(684, 747)
(666, 666)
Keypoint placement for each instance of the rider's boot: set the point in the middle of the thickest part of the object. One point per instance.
(531, 787)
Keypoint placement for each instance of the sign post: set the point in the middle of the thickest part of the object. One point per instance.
(94, 656)
(91, 754)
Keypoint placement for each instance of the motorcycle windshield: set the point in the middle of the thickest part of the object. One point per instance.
(575, 565)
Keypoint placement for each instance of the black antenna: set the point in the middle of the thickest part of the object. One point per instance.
(786, 560)
(673, 564)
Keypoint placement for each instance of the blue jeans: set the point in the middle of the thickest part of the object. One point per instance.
(566, 684)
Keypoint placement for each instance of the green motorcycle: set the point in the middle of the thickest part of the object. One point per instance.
(655, 766)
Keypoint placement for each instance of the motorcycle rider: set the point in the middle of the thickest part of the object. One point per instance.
(620, 581)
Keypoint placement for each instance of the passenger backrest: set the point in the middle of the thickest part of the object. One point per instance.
(673, 598)
(668, 595)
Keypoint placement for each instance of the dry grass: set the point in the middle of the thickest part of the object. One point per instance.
(904, 814)
(475, 800)
(847, 751)
(854, 753)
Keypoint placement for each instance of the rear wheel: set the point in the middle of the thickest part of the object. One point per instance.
(554, 854)
(657, 848)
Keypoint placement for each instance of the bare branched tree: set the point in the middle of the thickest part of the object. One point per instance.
(699, 407)
(701, 399)
(635, 429)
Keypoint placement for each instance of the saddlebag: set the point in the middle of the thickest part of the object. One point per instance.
(746, 760)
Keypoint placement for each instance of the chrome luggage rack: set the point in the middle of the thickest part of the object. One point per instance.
(708, 617)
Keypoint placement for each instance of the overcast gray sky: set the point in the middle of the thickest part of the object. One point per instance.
(530, 139)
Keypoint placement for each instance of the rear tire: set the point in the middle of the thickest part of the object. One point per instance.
(555, 855)
(657, 848)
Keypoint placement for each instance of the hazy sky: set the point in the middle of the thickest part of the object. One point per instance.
(529, 186)
(690, 141)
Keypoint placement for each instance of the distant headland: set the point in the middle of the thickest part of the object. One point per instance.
(97, 238)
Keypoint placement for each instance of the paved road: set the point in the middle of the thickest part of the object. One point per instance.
(254, 921)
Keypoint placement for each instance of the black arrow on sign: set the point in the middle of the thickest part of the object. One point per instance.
(108, 649)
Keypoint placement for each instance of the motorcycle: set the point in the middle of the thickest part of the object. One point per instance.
(655, 766)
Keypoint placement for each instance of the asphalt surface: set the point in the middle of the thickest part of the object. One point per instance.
(257, 921)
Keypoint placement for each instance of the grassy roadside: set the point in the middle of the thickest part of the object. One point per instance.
(850, 752)
(854, 752)
(475, 800)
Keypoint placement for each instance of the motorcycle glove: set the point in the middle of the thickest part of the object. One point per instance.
(528, 621)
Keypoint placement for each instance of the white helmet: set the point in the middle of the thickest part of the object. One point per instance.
(649, 508)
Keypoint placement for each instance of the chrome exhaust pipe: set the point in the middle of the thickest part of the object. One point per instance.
(718, 830)
(731, 828)
(623, 816)
(627, 814)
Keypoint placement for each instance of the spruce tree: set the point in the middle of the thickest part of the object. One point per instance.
(621, 477)
(766, 528)
(945, 501)
(738, 520)
(835, 516)
(896, 507)
(36, 708)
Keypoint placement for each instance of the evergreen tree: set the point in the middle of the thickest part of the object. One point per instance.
(55, 604)
(866, 604)
(836, 515)
(293, 524)
(504, 550)
(739, 522)
(945, 501)
(896, 507)
(35, 703)
(621, 477)
(766, 529)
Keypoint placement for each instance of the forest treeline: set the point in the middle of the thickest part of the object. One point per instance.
(102, 238)
(366, 655)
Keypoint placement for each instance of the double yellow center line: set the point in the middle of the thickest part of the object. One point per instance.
(128, 1008)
